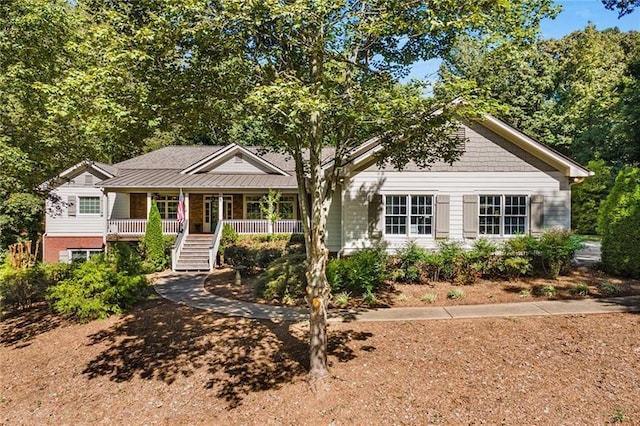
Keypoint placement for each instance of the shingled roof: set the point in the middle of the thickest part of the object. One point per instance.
(161, 169)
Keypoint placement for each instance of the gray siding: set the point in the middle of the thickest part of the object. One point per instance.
(485, 152)
(238, 164)
(557, 198)
(59, 222)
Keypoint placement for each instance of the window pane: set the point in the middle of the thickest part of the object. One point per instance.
(89, 205)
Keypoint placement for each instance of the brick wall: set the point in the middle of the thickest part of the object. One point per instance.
(53, 245)
(196, 206)
(138, 205)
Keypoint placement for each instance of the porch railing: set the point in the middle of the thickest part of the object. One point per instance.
(139, 226)
(262, 226)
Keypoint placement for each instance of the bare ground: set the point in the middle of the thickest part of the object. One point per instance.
(170, 364)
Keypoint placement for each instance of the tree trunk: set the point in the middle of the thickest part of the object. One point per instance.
(317, 292)
(317, 254)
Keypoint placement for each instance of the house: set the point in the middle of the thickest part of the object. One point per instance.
(504, 184)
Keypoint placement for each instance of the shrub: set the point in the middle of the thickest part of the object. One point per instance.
(259, 251)
(239, 255)
(454, 261)
(22, 287)
(432, 265)
(362, 272)
(580, 289)
(370, 299)
(229, 237)
(587, 197)
(546, 290)
(483, 256)
(555, 249)
(284, 277)
(410, 260)
(125, 258)
(96, 289)
(608, 288)
(153, 245)
(618, 224)
(514, 267)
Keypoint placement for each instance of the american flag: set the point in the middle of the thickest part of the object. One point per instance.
(180, 216)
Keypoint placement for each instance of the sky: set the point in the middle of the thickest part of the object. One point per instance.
(575, 15)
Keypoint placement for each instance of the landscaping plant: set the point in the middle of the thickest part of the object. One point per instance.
(96, 289)
(283, 277)
(619, 225)
(152, 243)
(362, 272)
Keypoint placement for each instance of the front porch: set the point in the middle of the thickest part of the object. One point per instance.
(203, 212)
(136, 228)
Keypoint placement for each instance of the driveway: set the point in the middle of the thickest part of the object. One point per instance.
(589, 255)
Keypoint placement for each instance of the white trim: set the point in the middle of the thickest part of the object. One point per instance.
(78, 213)
(227, 152)
(86, 250)
(502, 195)
(408, 215)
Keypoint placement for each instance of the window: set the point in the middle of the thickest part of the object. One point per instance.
(167, 206)
(88, 205)
(421, 214)
(286, 206)
(515, 214)
(416, 210)
(82, 255)
(253, 206)
(503, 214)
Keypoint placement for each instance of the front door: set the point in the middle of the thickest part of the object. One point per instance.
(212, 213)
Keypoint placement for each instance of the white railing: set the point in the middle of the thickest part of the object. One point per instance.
(262, 226)
(287, 226)
(213, 250)
(139, 226)
(177, 246)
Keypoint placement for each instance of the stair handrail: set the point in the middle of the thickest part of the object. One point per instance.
(215, 245)
(177, 246)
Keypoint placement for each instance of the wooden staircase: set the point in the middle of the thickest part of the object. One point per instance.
(194, 255)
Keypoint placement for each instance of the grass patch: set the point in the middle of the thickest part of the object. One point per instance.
(429, 298)
(580, 289)
(455, 293)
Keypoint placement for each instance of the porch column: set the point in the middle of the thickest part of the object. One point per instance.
(149, 197)
(186, 213)
(220, 208)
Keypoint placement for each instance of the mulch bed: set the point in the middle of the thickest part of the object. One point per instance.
(222, 283)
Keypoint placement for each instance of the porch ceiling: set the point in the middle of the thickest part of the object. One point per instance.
(169, 178)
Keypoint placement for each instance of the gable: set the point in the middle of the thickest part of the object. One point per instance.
(484, 151)
(247, 163)
(237, 163)
(81, 176)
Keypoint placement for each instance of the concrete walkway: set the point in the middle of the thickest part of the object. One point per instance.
(188, 289)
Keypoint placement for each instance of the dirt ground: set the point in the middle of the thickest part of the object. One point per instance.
(169, 364)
